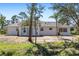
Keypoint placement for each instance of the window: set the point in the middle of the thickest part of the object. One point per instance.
(50, 28)
(41, 29)
(62, 29)
(24, 30)
(65, 30)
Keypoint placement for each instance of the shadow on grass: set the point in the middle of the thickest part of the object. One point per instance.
(41, 50)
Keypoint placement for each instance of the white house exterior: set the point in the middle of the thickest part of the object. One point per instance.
(44, 29)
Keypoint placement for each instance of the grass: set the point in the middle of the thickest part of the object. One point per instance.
(14, 49)
(59, 48)
(4, 45)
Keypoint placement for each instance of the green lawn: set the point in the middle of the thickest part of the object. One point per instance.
(14, 46)
(14, 49)
(61, 48)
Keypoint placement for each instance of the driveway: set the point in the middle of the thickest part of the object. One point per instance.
(16, 39)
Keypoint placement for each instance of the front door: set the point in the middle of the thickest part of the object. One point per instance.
(24, 31)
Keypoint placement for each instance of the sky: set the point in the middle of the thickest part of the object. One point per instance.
(10, 9)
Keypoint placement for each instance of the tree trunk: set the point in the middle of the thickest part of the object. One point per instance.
(56, 28)
(2, 26)
(30, 27)
(17, 31)
(35, 31)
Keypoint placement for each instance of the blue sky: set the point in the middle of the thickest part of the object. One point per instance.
(10, 9)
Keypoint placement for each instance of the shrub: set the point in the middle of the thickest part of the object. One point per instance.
(2, 31)
(55, 45)
(69, 52)
(60, 48)
(7, 52)
(20, 52)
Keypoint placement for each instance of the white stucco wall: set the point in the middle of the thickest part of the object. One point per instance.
(11, 31)
(46, 31)
(27, 31)
(66, 33)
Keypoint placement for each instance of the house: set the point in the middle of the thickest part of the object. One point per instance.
(43, 28)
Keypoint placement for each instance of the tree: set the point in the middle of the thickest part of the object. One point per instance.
(2, 21)
(2, 24)
(25, 23)
(7, 22)
(14, 19)
(55, 16)
(69, 12)
(25, 18)
(37, 14)
(31, 19)
(23, 15)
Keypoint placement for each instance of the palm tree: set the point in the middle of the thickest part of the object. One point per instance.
(55, 16)
(2, 21)
(23, 15)
(25, 23)
(31, 19)
(34, 13)
(14, 19)
(37, 14)
(7, 22)
(68, 11)
(35, 25)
